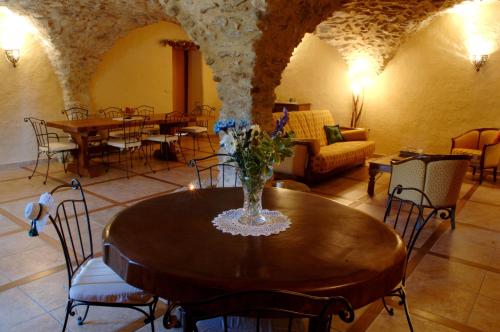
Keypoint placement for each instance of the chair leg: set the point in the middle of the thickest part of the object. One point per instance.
(473, 171)
(495, 174)
(452, 217)
(210, 142)
(146, 158)
(64, 156)
(481, 173)
(68, 312)
(47, 172)
(405, 305)
(180, 149)
(82, 320)
(194, 145)
(36, 165)
(389, 310)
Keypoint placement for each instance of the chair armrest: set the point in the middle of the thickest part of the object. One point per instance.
(468, 140)
(491, 155)
(53, 135)
(355, 134)
(312, 144)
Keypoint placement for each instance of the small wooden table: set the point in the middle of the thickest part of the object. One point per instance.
(80, 130)
(379, 165)
(168, 246)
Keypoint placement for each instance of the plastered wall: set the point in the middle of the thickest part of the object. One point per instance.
(427, 94)
(138, 70)
(31, 89)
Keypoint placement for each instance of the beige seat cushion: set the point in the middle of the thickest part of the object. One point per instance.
(121, 144)
(59, 146)
(341, 154)
(162, 138)
(96, 282)
(193, 129)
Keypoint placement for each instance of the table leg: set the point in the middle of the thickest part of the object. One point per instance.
(82, 165)
(372, 172)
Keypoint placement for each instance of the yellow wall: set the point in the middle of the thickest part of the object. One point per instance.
(137, 70)
(428, 93)
(31, 89)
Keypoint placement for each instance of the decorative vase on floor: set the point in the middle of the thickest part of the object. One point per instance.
(252, 195)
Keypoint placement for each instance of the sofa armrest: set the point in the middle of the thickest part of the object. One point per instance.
(312, 144)
(491, 155)
(355, 134)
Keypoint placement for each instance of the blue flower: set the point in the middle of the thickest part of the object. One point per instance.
(280, 124)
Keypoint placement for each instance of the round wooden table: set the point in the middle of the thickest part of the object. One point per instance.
(169, 247)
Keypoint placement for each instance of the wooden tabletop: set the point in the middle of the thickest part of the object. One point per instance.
(95, 124)
(168, 246)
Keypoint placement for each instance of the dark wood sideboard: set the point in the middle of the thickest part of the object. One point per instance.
(292, 107)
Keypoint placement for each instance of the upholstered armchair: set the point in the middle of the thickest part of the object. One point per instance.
(439, 177)
(483, 145)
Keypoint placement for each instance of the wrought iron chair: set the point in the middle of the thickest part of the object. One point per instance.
(90, 281)
(110, 113)
(167, 140)
(204, 112)
(46, 147)
(408, 212)
(148, 112)
(440, 177)
(76, 113)
(218, 165)
(258, 307)
(129, 141)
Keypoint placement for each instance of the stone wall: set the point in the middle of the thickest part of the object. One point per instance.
(247, 43)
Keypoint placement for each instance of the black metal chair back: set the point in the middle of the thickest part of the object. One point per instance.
(132, 129)
(76, 113)
(175, 120)
(205, 112)
(260, 304)
(40, 129)
(408, 218)
(72, 225)
(145, 110)
(212, 165)
(112, 112)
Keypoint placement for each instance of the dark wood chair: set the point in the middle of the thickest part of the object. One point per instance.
(259, 306)
(90, 281)
(48, 144)
(216, 166)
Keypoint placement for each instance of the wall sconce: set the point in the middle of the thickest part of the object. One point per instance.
(479, 60)
(13, 56)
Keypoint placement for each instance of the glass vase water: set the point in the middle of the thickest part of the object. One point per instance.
(252, 195)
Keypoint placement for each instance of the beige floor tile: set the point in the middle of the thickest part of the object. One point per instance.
(182, 176)
(437, 271)
(478, 214)
(384, 322)
(376, 211)
(15, 308)
(104, 217)
(19, 242)
(465, 234)
(491, 286)
(50, 292)
(113, 173)
(7, 225)
(357, 173)
(485, 315)
(130, 189)
(487, 195)
(342, 187)
(44, 323)
(463, 249)
(14, 189)
(495, 259)
(440, 298)
(29, 262)
(13, 172)
(99, 319)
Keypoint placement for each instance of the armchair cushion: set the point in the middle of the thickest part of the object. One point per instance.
(96, 282)
(467, 140)
(59, 147)
(340, 154)
(313, 144)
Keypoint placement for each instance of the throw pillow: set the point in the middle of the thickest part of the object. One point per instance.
(333, 134)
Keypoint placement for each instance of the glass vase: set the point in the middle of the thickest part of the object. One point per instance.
(252, 195)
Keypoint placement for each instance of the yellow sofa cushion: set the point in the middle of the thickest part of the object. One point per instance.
(340, 154)
(355, 134)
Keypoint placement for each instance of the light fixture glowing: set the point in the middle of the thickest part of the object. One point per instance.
(13, 30)
(362, 73)
(479, 48)
(191, 186)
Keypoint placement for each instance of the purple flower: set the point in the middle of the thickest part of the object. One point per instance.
(280, 124)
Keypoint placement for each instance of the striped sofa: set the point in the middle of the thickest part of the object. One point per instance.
(314, 159)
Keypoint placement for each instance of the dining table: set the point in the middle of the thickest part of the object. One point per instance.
(82, 130)
(168, 246)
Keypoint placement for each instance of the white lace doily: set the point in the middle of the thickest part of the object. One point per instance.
(227, 222)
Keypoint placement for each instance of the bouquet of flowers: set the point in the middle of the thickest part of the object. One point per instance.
(254, 151)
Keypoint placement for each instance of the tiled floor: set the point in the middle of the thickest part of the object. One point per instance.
(455, 285)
